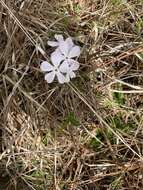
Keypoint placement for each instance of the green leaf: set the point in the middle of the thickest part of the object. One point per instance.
(72, 119)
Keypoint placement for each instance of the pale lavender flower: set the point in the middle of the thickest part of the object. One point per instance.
(63, 60)
(53, 70)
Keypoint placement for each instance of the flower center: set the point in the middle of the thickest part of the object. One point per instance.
(56, 69)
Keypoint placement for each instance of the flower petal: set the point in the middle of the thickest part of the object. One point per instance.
(69, 42)
(72, 74)
(52, 43)
(49, 77)
(61, 78)
(56, 58)
(64, 48)
(59, 37)
(45, 66)
(74, 65)
(67, 78)
(74, 52)
(64, 67)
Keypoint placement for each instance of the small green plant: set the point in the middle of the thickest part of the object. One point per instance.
(46, 139)
(118, 98)
(38, 174)
(94, 143)
(116, 184)
(118, 122)
(71, 119)
(139, 25)
(117, 2)
(78, 9)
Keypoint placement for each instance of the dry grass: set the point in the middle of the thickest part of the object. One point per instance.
(87, 135)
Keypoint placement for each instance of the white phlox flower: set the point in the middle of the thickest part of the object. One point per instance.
(53, 70)
(67, 51)
(63, 60)
(68, 67)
